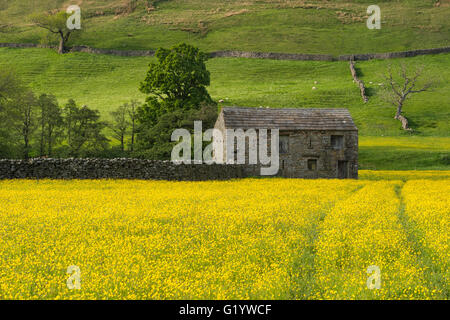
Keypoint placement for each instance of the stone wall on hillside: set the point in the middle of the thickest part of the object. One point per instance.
(123, 53)
(271, 55)
(250, 54)
(393, 55)
(120, 169)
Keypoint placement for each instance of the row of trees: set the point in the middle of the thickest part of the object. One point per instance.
(37, 125)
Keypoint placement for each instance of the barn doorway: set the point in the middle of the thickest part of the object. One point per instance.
(342, 169)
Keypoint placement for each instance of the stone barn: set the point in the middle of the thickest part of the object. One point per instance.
(313, 143)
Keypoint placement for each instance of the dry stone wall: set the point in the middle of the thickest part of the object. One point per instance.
(251, 54)
(120, 169)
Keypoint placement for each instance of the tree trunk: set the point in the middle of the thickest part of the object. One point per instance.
(404, 122)
(49, 149)
(132, 137)
(42, 135)
(69, 130)
(121, 143)
(61, 44)
(43, 120)
(399, 110)
(26, 144)
(401, 118)
(62, 41)
(49, 138)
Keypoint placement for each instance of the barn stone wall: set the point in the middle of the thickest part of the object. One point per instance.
(316, 145)
(311, 144)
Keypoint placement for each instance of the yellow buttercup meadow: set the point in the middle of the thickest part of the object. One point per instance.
(239, 239)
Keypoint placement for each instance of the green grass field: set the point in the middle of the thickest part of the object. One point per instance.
(315, 26)
(104, 82)
(406, 153)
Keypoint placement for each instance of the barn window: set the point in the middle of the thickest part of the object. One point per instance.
(284, 144)
(310, 146)
(312, 164)
(337, 142)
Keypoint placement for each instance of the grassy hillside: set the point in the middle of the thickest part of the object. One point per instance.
(315, 26)
(104, 82)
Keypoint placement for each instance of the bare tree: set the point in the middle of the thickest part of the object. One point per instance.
(402, 89)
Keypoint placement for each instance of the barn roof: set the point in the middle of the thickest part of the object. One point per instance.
(288, 119)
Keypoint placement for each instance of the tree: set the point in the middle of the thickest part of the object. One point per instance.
(154, 142)
(132, 113)
(56, 23)
(401, 88)
(10, 84)
(84, 129)
(69, 111)
(177, 81)
(21, 114)
(11, 87)
(51, 122)
(17, 111)
(120, 124)
(176, 89)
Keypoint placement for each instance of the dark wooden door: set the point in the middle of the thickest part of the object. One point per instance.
(342, 169)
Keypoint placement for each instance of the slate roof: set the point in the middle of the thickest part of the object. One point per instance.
(288, 119)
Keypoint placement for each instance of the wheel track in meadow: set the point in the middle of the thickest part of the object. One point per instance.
(307, 283)
(414, 236)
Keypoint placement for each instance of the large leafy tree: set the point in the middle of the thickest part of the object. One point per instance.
(177, 80)
(176, 90)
